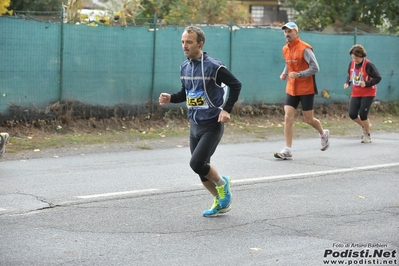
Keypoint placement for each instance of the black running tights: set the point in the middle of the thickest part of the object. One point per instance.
(204, 140)
(360, 106)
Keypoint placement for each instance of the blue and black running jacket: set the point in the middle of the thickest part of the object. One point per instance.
(205, 84)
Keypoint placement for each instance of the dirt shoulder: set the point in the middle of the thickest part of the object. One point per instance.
(42, 138)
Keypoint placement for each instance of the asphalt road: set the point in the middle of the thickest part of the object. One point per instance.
(144, 207)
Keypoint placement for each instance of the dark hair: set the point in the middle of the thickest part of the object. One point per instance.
(200, 33)
(358, 50)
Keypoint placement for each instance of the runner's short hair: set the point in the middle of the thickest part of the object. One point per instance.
(358, 51)
(200, 33)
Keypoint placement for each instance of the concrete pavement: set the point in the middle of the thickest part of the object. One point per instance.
(144, 207)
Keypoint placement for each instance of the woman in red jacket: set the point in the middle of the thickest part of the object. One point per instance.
(364, 77)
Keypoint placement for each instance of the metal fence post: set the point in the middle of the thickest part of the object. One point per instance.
(153, 64)
(354, 39)
(231, 44)
(61, 78)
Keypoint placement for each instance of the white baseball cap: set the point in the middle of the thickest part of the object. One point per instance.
(290, 25)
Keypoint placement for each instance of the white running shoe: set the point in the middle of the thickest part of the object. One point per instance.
(366, 139)
(284, 154)
(325, 143)
(4, 138)
(363, 134)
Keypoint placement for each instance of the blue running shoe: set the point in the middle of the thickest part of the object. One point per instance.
(224, 193)
(215, 209)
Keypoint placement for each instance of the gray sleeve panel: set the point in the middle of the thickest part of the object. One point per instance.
(312, 61)
(285, 71)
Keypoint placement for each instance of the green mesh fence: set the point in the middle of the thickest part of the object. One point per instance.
(29, 65)
(43, 63)
(107, 66)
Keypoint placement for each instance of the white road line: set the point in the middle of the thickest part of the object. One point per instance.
(343, 170)
(247, 180)
(116, 193)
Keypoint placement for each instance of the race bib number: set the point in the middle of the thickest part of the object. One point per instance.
(196, 99)
(356, 79)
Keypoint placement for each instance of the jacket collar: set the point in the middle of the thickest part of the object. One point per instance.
(198, 60)
(294, 42)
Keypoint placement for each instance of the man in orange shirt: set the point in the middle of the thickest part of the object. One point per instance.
(300, 69)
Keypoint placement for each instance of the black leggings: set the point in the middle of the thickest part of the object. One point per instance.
(203, 142)
(360, 106)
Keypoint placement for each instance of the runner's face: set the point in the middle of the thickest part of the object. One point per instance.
(358, 60)
(290, 34)
(191, 48)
